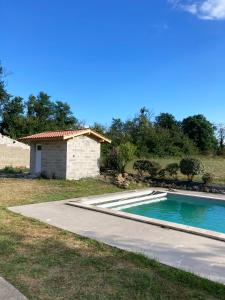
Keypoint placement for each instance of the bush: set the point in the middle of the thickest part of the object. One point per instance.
(112, 160)
(153, 169)
(208, 178)
(162, 174)
(172, 169)
(118, 157)
(126, 153)
(141, 166)
(14, 170)
(191, 167)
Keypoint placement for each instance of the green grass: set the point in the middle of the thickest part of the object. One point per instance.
(14, 170)
(48, 263)
(215, 165)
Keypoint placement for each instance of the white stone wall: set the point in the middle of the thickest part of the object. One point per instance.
(5, 140)
(32, 158)
(83, 157)
(13, 153)
(53, 158)
(72, 159)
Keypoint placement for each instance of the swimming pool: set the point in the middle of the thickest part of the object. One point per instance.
(188, 212)
(205, 213)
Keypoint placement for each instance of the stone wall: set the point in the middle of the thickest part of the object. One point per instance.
(53, 159)
(32, 158)
(73, 159)
(13, 153)
(83, 156)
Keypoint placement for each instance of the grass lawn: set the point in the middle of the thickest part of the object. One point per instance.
(215, 165)
(44, 262)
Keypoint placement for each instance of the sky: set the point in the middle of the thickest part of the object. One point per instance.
(110, 58)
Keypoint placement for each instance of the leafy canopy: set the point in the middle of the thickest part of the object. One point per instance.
(39, 113)
(191, 167)
(200, 131)
(164, 136)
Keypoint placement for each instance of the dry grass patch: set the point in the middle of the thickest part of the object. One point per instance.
(25, 191)
(215, 165)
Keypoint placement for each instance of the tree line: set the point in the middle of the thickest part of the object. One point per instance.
(164, 135)
(19, 117)
(161, 136)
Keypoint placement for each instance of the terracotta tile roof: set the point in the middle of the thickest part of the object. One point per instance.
(64, 134)
(52, 134)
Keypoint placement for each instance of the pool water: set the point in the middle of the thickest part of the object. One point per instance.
(193, 211)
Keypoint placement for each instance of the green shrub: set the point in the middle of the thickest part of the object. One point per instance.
(162, 174)
(150, 167)
(208, 178)
(118, 157)
(14, 170)
(126, 153)
(172, 169)
(153, 169)
(191, 167)
(112, 160)
(141, 166)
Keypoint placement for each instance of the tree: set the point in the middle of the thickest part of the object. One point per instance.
(13, 120)
(151, 167)
(208, 178)
(164, 137)
(4, 96)
(126, 154)
(167, 139)
(141, 166)
(139, 130)
(99, 128)
(163, 142)
(116, 131)
(221, 138)
(118, 157)
(200, 131)
(172, 169)
(38, 113)
(3, 93)
(63, 116)
(44, 114)
(166, 121)
(191, 167)
(31, 103)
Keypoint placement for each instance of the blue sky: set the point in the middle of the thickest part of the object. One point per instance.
(109, 58)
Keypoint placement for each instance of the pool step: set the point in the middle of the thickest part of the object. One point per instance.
(139, 203)
(112, 198)
(133, 200)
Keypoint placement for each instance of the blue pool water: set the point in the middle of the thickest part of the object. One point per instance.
(193, 211)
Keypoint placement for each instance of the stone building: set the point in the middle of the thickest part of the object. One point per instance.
(70, 154)
(13, 153)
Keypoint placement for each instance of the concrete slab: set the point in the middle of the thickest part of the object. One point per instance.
(9, 292)
(200, 255)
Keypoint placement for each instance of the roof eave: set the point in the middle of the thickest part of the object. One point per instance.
(100, 137)
(30, 140)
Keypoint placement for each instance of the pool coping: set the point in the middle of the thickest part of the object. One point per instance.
(152, 221)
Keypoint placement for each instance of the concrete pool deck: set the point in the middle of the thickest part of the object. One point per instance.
(200, 255)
